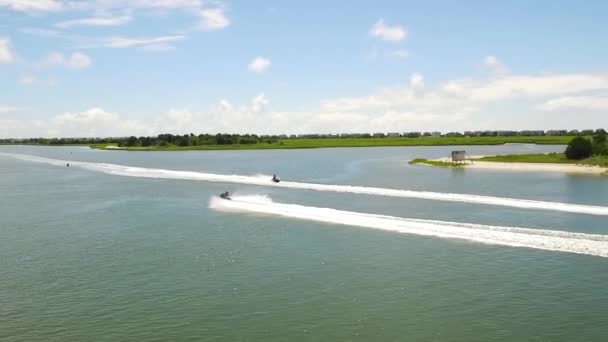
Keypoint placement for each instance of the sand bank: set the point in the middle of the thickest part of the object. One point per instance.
(531, 167)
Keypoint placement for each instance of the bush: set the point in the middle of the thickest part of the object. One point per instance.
(579, 148)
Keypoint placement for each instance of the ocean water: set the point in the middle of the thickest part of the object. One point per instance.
(104, 252)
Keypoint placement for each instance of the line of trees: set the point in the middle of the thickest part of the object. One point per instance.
(159, 140)
(195, 140)
(248, 139)
(582, 147)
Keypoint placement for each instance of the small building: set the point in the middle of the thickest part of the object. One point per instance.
(459, 156)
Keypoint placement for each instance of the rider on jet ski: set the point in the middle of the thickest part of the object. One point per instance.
(275, 179)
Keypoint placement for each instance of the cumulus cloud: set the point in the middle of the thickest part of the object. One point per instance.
(492, 63)
(95, 21)
(94, 122)
(77, 60)
(212, 19)
(468, 104)
(585, 103)
(386, 32)
(259, 64)
(509, 102)
(32, 5)
(6, 52)
(259, 103)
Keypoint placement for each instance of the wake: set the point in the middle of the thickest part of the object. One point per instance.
(262, 180)
(551, 240)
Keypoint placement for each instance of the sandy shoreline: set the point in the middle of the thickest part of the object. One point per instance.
(532, 167)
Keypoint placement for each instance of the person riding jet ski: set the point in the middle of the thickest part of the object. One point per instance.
(225, 195)
(275, 179)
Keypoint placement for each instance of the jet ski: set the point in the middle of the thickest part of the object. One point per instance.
(275, 179)
(225, 195)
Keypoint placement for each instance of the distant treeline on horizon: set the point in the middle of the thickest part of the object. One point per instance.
(247, 139)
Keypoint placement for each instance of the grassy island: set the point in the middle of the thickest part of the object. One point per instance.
(555, 158)
(438, 163)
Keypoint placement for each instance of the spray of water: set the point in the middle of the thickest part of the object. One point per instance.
(262, 180)
(561, 241)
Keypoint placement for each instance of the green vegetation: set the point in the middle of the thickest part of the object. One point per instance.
(297, 143)
(170, 142)
(421, 161)
(579, 148)
(557, 158)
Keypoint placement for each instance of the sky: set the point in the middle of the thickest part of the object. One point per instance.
(99, 68)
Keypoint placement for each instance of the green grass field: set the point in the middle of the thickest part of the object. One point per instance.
(363, 142)
(559, 158)
(422, 161)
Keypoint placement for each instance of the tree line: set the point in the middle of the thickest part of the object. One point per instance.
(159, 140)
(581, 147)
(249, 139)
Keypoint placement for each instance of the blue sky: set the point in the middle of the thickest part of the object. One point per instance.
(110, 67)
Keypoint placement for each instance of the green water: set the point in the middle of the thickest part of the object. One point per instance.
(87, 256)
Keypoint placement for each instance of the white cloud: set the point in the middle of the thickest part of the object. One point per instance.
(32, 5)
(259, 103)
(105, 5)
(523, 86)
(591, 103)
(492, 63)
(93, 122)
(417, 83)
(386, 32)
(95, 21)
(259, 64)
(9, 109)
(509, 102)
(125, 42)
(503, 103)
(213, 19)
(77, 60)
(159, 4)
(6, 53)
(224, 118)
(225, 105)
(27, 79)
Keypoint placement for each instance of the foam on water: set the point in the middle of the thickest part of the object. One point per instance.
(262, 180)
(561, 241)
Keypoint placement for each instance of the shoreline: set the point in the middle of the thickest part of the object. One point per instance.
(527, 167)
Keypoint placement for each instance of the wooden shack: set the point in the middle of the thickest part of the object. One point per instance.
(459, 156)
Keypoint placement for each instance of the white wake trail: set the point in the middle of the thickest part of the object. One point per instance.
(560, 241)
(130, 171)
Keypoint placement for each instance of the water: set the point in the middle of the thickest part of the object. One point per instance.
(90, 256)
